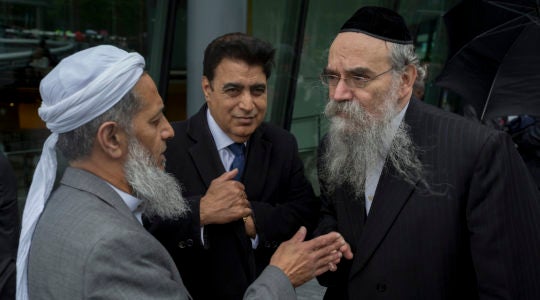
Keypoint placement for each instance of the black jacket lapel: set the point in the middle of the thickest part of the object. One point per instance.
(203, 152)
(390, 197)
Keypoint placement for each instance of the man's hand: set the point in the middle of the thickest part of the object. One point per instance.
(225, 201)
(302, 261)
(249, 223)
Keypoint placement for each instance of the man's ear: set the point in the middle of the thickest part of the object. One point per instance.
(407, 81)
(111, 138)
(206, 87)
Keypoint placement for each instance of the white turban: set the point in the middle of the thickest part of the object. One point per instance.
(82, 87)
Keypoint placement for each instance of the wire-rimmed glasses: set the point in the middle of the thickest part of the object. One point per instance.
(352, 81)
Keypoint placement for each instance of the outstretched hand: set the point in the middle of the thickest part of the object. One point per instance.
(303, 260)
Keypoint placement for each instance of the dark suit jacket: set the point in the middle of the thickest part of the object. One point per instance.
(9, 229)
(474, 235)
(281, 197)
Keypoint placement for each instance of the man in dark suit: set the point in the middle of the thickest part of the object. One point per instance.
(433, 206)
(9, 228)
(227, 240)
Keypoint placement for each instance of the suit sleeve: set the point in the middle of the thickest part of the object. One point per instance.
(184, 232)
(271, 284)
(327, 219)
(127, 267)
(277, 220)
(503, 217)
(328, 223)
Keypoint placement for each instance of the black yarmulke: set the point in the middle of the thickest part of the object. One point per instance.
(379, 22)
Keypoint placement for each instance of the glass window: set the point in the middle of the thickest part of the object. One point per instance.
(176, 90)
(35, 36)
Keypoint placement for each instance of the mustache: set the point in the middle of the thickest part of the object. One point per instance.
(334, 108)
(348, 111)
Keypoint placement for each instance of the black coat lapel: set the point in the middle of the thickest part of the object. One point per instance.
(390, 197)
(354, 209)
(203, 152)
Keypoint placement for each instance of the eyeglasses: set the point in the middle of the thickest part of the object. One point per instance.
(353, 81)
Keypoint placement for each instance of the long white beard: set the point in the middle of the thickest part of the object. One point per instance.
(360, 140)
(161, 193)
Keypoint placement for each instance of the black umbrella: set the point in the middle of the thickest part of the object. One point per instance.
(494, 56)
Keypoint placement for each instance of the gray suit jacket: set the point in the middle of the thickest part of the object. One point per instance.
(88, 245)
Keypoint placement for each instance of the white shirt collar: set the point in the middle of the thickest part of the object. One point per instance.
(221, 139)
(131, 202)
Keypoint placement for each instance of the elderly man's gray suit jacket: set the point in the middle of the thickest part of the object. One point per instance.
(88, 245)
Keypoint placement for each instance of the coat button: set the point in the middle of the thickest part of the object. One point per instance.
(381, 287)
(189, 242)
(267, 244)
(181, 244)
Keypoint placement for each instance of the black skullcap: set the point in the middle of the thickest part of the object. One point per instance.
(379, 22)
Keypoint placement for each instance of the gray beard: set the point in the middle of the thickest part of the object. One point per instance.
(357, 143)
(160, 192)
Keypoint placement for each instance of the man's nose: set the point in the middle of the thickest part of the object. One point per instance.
(246, 101)
(341, 91)
(168, 131)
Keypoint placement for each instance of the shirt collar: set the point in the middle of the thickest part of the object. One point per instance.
(221, 139)
(131, 201)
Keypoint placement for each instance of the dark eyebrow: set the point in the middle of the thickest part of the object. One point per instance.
(359, 70)
(328, 71)
(353, 71)
(258, 85)
(232, 85)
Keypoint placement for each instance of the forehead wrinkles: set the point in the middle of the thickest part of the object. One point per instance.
(356, 50)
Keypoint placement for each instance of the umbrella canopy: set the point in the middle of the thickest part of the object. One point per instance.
(495, 64)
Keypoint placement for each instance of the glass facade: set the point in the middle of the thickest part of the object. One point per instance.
(36, 34)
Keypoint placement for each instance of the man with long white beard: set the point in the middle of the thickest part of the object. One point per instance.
(432, 206)
(359, 141)
(148, 180)
(87, 239)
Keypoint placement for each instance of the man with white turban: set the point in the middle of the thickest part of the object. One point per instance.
(86, 239)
